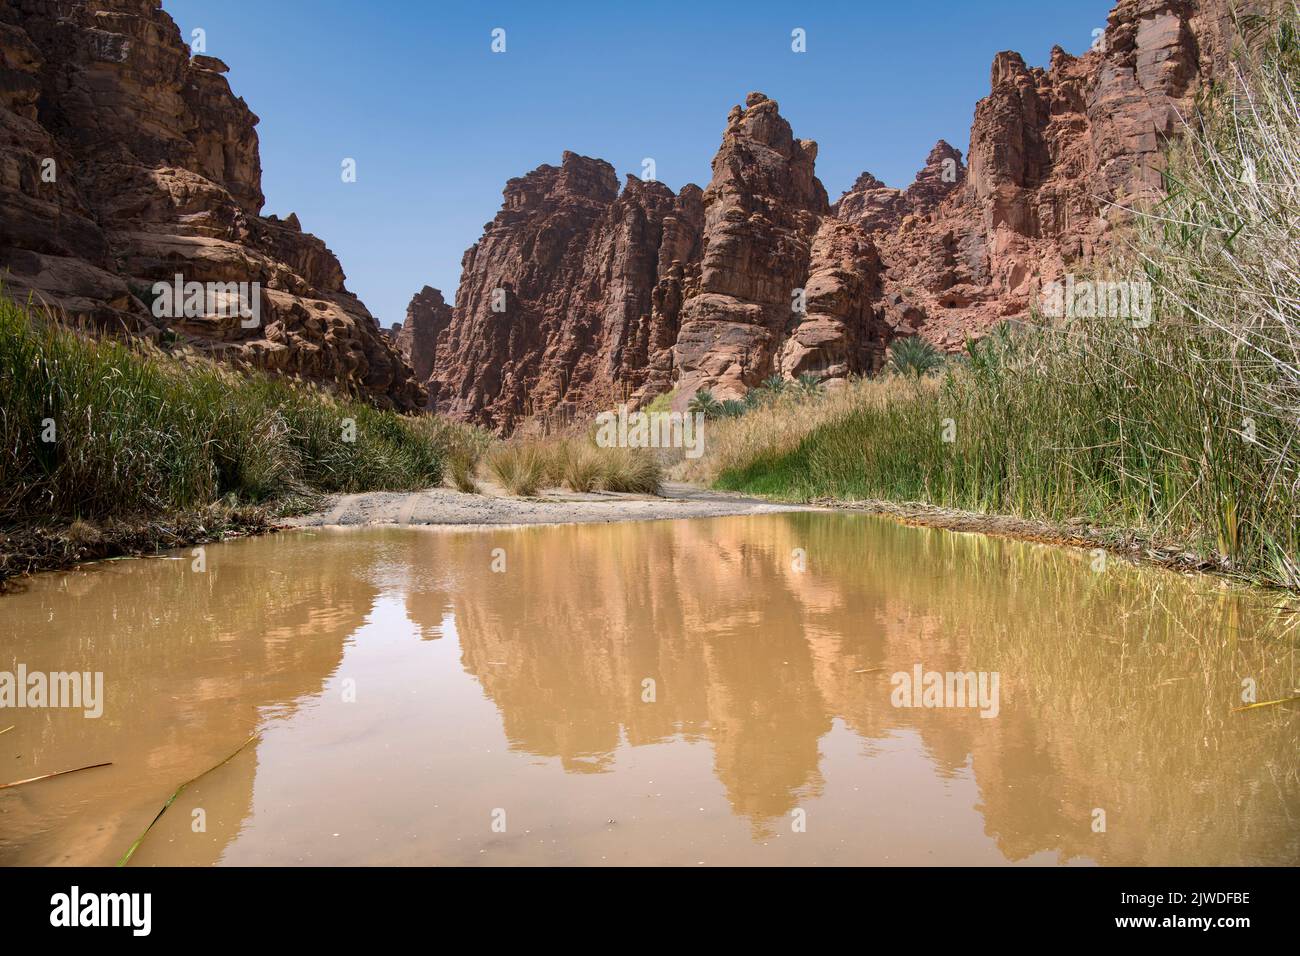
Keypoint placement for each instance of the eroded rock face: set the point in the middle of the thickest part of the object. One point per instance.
(872, 205)
(878, 208)
(427, 317)
(615, 296)
(1057, 156)
(606, 296)
(762, 208)
(841, 332)
(127, 161)
(570, 295)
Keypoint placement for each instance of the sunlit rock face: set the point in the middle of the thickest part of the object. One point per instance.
(579, 295)
(128, 161)
(763, 208)
(1058, 155)
(571, 297)
(612, 297)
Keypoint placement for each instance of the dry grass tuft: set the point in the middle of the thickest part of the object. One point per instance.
(519, 467)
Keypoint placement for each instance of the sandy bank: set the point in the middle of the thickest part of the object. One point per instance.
(442, 506)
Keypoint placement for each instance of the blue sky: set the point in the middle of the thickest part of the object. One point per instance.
(437, 122)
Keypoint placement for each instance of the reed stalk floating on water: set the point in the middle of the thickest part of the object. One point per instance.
(47, 776)
(126, 857)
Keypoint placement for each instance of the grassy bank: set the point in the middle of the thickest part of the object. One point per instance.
(115, 435)
(1187, 429)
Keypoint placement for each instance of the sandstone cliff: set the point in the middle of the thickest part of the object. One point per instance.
(1057, 158)
(879, 208)
(128, 161)
(427, 317)
(556, 299)
(612, 296)
(762, 208)
(579, 295)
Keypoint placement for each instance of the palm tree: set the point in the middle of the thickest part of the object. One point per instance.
(774, 384)
(809, 385)
(732, 409)
(704, 403)
(914, 356)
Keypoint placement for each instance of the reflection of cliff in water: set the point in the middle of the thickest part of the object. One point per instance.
(193, 662)
(1116, 692)
(1116, 688)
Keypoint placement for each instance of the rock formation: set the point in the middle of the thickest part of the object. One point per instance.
(569, 297)
(427, 317)
(608, 296)
(128, 161)
(878, 208)
(840, 331)
(1057, 158)
(761, 210)
(579, 295)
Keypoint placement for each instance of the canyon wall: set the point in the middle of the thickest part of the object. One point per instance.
(608, 296)
(1058, 157)
(570, 297)
(427, 316)
(579, 295)
(127, 161)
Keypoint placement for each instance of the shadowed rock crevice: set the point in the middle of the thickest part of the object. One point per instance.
(427, 317)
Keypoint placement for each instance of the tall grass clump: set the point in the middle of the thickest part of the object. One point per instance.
(1187, 428)
(92, 428)
(772, 427)
(630, 470)
(524, 466)
(465, 446)
(582, 466)
(518, 467)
